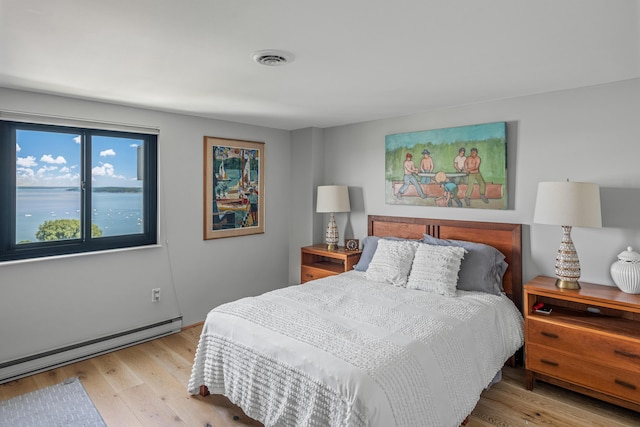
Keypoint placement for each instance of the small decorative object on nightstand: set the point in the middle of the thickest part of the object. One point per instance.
(351, 245)
(626, 271)
(318, 262)
(586, 340)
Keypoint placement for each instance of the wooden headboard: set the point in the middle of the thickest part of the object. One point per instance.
(507, 238)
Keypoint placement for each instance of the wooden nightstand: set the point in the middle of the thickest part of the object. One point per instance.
(589, 343)
(317, 262)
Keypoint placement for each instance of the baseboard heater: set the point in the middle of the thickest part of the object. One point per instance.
(36, 363)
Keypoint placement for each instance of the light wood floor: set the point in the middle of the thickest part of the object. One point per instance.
(145, 385)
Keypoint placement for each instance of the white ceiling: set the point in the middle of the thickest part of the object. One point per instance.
(355, 60)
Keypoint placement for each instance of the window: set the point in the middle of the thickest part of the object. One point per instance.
(67, 190)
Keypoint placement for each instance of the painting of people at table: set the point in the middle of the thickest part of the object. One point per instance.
(460, 168)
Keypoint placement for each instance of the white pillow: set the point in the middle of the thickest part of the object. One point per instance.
(392, 261)
(435, 269)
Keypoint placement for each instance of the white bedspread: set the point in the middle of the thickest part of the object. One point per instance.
(343, 351)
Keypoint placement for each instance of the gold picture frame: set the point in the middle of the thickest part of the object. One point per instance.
(233, 187)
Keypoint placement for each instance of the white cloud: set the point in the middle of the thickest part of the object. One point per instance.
(77, 139)
(106, 169)
(108, 152)
(18, 148)
(64, 170)
(48, 158)
(68, 179)
(133, 145)
(25, 171)
(46, 169)
(25, 176)
(26, 162)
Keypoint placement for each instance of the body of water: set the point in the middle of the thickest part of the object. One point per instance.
(113, 213)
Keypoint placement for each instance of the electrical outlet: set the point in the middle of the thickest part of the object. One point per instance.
(155, 294)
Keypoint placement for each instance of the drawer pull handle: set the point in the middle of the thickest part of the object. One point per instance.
(625, 384)
(549, 334)
(626, 353)
(550, 362)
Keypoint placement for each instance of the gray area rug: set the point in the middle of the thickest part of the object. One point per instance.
(66, 404)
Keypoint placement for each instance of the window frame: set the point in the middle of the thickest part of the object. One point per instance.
(11, 250)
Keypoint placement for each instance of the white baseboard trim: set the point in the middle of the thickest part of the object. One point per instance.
(45, 361)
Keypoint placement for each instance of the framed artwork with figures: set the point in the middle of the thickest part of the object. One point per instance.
(460, 167)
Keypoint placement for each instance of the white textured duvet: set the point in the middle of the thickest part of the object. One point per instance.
(343, 351)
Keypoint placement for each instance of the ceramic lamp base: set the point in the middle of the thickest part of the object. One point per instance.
(331, 237)
(567, 262)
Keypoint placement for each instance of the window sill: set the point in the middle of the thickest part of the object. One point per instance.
(81, 254)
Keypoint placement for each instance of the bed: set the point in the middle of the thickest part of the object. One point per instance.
(364, 349)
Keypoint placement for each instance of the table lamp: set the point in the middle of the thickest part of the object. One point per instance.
(332, 199)
(568, 204)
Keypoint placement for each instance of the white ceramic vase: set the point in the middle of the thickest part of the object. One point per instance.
(625, 272)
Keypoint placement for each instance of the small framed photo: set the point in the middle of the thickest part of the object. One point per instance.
(351, 245)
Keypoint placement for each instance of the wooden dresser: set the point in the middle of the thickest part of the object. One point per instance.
(318, 262)
(589, 343)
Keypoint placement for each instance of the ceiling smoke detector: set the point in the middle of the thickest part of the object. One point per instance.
(272, 58)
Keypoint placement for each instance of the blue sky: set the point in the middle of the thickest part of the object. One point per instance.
(446, 135)
(53, 159)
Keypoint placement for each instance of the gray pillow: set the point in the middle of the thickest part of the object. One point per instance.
(482, 267)
(369, 246)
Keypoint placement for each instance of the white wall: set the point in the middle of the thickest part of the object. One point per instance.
(589, 134)
(50, 303)
(307, 172)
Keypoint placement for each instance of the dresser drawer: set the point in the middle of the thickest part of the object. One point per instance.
(608, 349)
(569, 367)
(310, 273)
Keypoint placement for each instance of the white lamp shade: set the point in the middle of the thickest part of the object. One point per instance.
(333, 198)
(575, 204)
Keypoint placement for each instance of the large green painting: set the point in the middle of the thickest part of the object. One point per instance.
(461, 167)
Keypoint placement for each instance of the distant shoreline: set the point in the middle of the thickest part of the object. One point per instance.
(95, 189)
(117, 211)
